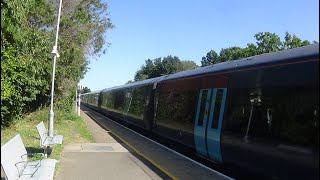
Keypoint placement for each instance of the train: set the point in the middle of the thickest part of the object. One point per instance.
(258, 114)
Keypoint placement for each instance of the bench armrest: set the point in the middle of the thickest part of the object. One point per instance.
(21, 171)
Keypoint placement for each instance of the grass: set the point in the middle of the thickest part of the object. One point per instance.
(68, 124)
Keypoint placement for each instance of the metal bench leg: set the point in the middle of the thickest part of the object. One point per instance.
(45, 151)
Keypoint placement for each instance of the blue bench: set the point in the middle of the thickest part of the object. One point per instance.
(15, 163)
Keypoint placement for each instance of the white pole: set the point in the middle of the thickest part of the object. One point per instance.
(79, 101)
(76, 99)
(56, 54)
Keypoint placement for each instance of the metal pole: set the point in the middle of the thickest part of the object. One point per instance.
(79, 101)
(56, 54)
(76, 99)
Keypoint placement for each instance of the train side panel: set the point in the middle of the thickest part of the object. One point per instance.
(177, 104)
(272, 120)
(129, 105)
(259, 114)
(112, 103)
(91, 100)
(138, 101)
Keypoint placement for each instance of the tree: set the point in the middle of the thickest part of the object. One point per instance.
(170, 65)
(130, 81)
(85, 90)
(162, 66)
(27, 34)
(25, 73)
(210, 58)
(292, 41)
(266, 42)
(188, 64)
(250, 50)
(81, 34)
(231, 53)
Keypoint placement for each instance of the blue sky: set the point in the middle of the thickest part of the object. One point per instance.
(189, 29)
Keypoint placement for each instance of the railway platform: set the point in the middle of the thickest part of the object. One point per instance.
(121, 153)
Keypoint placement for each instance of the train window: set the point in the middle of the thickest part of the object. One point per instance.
(238, 112)
(103, 99)
(137, 104)
(119, 96)
(92, 99)
(176, 110)
(109, 100)
(217, 108)
(296, 120)
(202, 107)
(284, 111)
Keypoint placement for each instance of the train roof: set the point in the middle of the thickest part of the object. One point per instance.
(135, 84)
(93, 92)
(309, 51)
(258, 60)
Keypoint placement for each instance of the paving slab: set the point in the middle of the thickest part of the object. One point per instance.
(96, 147)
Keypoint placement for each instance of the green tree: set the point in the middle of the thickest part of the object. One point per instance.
(266, 42)
(250, 50)
(231, 53)
(162, 66)
(170, 65)
(24, 68)
(85, 90)
(292, 41)
(27, 34)
(81, 34)
(130, 81)
(187, 65)
(210, 58)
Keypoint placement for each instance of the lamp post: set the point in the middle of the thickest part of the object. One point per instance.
(76, 100)
(79, 100)
(56, 54)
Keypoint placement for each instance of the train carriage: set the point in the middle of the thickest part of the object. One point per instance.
(131, 103)
(259, 114)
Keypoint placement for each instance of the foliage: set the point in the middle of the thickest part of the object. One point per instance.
(187, 65)
(211, 57)
(130, 81)
(28, 32)
(68, 124)
(24, 71)
(266, 42)
(163, 66)
(85, 90)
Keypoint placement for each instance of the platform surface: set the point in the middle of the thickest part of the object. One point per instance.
(122, 154)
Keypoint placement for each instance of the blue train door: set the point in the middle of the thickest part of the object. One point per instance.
(208, 122)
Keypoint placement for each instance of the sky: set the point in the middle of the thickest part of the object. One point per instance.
(148, 29)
